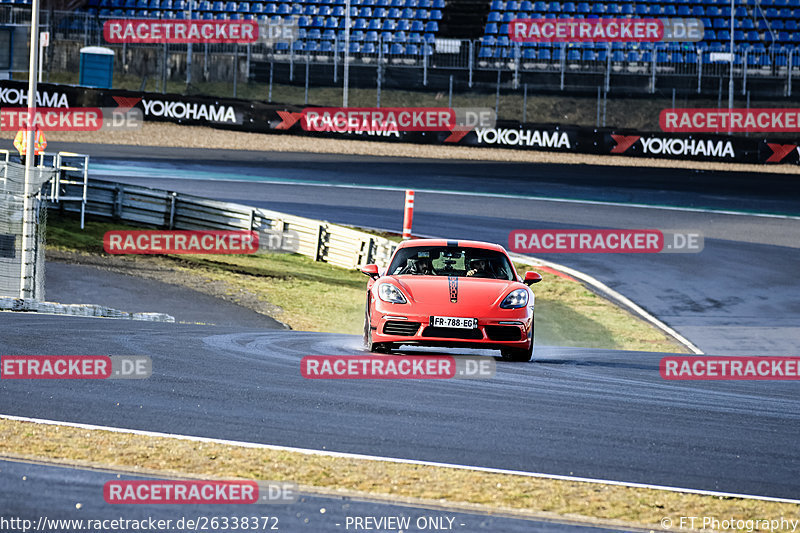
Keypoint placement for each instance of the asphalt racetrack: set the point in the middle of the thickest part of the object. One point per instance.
(739, 296)
(589, 413)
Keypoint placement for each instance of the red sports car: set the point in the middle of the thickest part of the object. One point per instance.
(450, 293)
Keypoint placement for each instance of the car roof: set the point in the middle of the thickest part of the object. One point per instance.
(452, 243)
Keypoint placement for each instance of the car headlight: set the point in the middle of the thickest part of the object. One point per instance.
(515, 299)
(389, 293)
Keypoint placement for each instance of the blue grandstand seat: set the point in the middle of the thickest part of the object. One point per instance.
(354, 48)
(270, 9)
(618, 56)
(281, 46)
(497, 5)
(627, 9)
(554, 7)
(542, 55)
(503, 41)
(359, 24)
(415, 38)
(691, 58)
(371, 37)
(747, 24)
(374, 24)
(421, 14)
(573, 55)
(720, 23)
(654, 10)
(298, 46)
(403, 25)
(394, 13)
(485, 52)
(613, 9)
(540, 6)
(507, 16)
(314, 34)
(357, 36)
(408, 13)
(436, 14)
(388, 25)
(331, 23)
(698, 11)
(312, 46)
(724, 35)
(400, 37)
(329, 35)
(503, 30)
(488, 40)
(491, 28)
(231, 7)
(738, 35)
(412, 50)
(569, 7)
(397, 49)
(684, 11)
(310, 10)
(777, 24)
(785, 13)
(646, 57)
(527, 5)
(676, 57)
(317, 22)
(633, 56)
(369, 48)
(712, 11)
(326, 46)
(643, 9)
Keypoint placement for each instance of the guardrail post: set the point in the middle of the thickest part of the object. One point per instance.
(323, 237)
(789, 74)
(173, 199)
(563, 63)
(119, 193)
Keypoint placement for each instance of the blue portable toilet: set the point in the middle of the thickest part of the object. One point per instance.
(97, 67)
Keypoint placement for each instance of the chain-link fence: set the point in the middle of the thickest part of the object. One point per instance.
(19, 245)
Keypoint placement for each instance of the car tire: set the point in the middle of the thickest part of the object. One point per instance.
(518, 355)
(375, 347)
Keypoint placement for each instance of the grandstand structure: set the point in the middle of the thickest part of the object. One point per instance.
(468, 39)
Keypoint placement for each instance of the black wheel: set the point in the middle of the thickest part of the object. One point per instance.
(518, 355)
(376, 347)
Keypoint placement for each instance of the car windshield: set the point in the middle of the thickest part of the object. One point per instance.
(451, 261)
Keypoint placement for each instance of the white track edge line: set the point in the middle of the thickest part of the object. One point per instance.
(346, 455)
(602, 287)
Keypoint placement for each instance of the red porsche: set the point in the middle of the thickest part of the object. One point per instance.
(450, 293)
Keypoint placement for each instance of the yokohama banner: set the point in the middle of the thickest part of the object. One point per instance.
(261, 117)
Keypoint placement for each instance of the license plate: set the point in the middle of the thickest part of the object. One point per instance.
(454, 322)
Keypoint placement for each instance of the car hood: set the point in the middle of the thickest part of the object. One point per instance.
(437, 289)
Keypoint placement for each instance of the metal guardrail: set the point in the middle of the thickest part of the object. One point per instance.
(330, 243)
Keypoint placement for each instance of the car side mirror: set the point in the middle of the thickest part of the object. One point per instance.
(531, 278)
(370, 270)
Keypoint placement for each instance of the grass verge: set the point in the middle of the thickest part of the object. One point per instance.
(459, 488)
(314, 296)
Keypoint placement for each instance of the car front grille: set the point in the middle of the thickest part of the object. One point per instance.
(504, 333)
(401, 327)
(452, 333)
